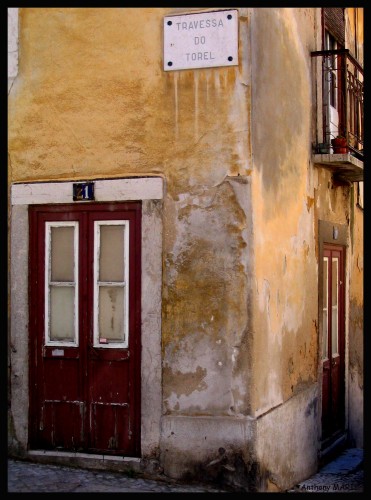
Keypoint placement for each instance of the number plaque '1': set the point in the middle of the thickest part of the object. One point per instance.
(83, 191)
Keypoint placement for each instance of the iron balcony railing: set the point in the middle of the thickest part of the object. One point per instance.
(342, 101)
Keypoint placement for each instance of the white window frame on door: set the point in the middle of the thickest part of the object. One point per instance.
(75, 283)
(335, 307)
(325, 311)
(124, 284)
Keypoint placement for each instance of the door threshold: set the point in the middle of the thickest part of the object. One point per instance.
(86, 460)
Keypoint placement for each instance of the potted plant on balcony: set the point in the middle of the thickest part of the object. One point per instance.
(339, 145)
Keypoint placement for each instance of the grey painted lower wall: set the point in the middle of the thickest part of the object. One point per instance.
(355, 414)
(151, 326)
(288, 441)
(269, 453)
(18, 342)
(208, 448)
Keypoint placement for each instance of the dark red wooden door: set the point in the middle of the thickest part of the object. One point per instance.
(333, 365)
(85, 327)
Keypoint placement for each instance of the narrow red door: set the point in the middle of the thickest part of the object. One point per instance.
(85, 328)
(333, 365)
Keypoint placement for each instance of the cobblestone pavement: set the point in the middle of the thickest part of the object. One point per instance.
(345, 475)
(27, 477)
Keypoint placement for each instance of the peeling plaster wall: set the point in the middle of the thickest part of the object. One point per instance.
(91, 100)
(354, 40)
(285, 265)
(285, 346)
(240, 292)
(206, 312)
(356, 343)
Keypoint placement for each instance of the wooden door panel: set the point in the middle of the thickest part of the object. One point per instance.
(111, 403)
(110, 382)
(62, 380)
(84, 397)
(336, 401)
(111, 428)
(114, 372)
(326, 410)
(62, 425)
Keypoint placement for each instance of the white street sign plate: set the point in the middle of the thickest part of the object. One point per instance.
(203, 40)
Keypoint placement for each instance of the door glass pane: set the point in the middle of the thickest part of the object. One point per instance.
(62, 324)
(62, 250)
(325, 310)
(61, 287)
(111, 257)
(111, 313)
(111, 276)
(335, 306)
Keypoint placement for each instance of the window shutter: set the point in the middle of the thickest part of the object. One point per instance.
(335, 23)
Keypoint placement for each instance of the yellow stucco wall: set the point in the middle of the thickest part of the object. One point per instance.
(91, 100)
(356, 328)
(240, 290)
(354, 32)
(355, 41)
(285, 346)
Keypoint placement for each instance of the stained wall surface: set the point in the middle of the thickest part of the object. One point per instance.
(285, 330)
(233, 144)
(92, 100)
(355, 41)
